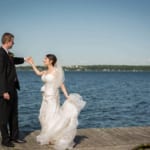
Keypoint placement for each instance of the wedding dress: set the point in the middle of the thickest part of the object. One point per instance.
(58, 123)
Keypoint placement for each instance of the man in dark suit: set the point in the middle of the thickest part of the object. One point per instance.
(8, 92)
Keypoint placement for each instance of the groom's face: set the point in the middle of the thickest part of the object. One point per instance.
(10, 43)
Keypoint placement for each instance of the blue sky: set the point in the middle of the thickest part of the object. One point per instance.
(79, 32)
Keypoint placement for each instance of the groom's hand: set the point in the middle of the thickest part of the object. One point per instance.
(6, 96)
(27, 58)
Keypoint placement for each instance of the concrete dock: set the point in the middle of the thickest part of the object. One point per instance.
(95, 139)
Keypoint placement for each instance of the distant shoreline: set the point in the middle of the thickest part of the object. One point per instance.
(104, 68)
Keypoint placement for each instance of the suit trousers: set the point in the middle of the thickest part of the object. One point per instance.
(9, 116)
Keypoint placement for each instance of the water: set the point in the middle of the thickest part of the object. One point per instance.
(114, 99)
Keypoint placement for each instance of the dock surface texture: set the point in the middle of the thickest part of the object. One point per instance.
(123, 138)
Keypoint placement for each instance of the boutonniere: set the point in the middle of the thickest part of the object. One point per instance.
(11, 54)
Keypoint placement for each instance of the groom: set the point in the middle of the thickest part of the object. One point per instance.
(8, 93)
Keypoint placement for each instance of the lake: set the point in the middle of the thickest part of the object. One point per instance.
(114, 99)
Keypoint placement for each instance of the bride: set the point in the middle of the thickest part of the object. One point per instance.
(58, 123)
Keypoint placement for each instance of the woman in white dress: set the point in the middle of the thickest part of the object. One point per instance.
(58, 123)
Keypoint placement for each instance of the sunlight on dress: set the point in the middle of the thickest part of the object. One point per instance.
(58, 123)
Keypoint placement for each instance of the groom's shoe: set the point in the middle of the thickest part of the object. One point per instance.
(19, 140)
(8, 144)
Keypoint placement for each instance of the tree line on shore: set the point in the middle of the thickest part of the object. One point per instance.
(96, 68)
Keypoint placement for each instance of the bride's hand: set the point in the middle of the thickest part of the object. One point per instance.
(30, 60)
(27, 58)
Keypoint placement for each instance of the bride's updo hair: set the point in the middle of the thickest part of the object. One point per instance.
(52, 57)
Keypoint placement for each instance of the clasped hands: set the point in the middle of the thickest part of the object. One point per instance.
(29, 60)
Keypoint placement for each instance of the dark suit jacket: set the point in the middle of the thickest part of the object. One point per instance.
(8, 76)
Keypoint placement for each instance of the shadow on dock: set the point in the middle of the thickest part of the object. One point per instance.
(79, 139)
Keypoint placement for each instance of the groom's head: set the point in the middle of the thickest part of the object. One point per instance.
(7, 40)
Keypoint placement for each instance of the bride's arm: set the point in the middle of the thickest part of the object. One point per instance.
(63, 88)
(35, 69)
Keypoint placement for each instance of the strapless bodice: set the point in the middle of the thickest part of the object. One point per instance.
(49, 87)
